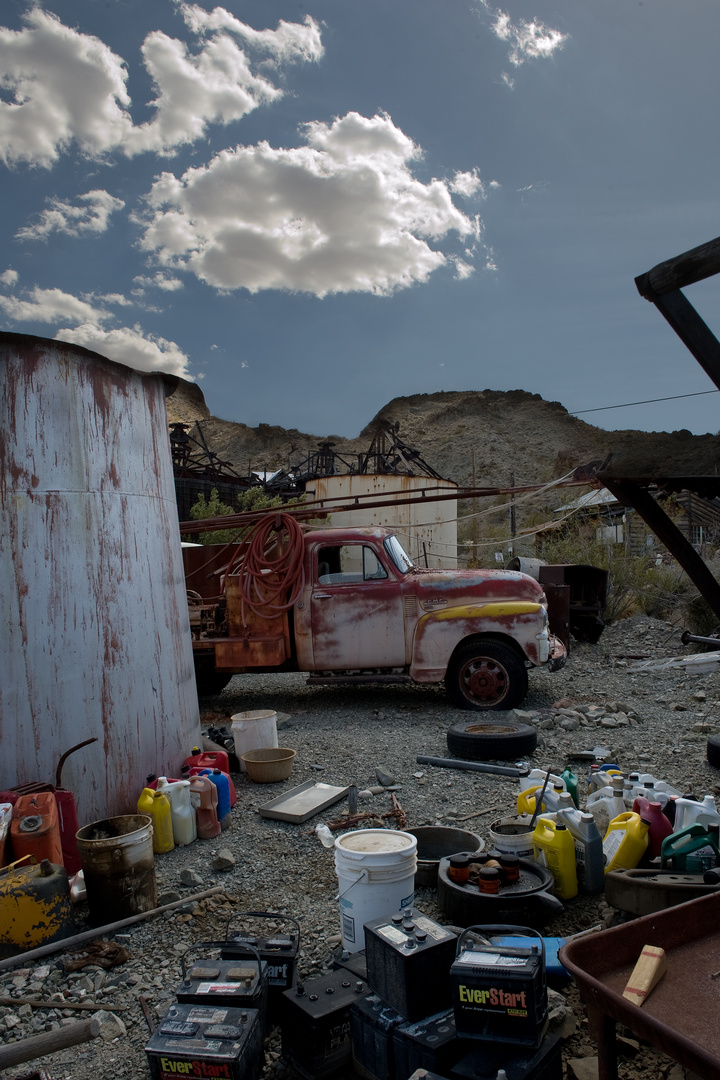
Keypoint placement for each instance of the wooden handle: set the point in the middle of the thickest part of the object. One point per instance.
(48, 1043)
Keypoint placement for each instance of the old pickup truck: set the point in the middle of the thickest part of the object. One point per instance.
(349, 606)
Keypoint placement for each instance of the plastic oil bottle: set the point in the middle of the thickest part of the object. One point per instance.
(204, 798)
(606, 803)
(550, 800)
(658, 825)
(553, 847)
(221, 782)
(182, 814)
(688, 811)
(157, 806)
(693, 850)
(571, 784)
(625, 842)
(589, 857)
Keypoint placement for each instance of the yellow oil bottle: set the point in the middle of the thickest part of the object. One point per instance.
(624, 842)
(157, 806)
(35, 906)
(554, 847)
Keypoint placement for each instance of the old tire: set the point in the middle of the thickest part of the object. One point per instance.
(713, 751)
(483, 740)
(486, 675)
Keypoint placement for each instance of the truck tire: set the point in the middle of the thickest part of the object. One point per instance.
(713, 751)
(482, 740)
(209, 681)
(486, 675)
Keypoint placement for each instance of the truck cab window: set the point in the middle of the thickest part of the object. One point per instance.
(348, 564)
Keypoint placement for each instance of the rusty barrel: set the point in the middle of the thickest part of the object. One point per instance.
(119, 867)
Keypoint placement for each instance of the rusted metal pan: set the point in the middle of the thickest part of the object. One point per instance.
(680, 1017)
(94, 627)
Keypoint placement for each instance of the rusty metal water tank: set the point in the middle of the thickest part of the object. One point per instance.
(94, 630)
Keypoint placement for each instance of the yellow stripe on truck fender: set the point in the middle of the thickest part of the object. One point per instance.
(489, 611)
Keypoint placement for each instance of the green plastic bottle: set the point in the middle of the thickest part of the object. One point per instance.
(571, 784)
(692, 850)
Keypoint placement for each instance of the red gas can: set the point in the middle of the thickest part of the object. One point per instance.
(35, 828)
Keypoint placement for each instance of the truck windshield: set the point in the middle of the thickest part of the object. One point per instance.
(398, 554)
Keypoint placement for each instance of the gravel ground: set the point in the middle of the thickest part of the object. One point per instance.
(654, 720)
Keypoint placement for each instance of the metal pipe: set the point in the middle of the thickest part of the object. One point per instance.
(693, 639)
(472, 766)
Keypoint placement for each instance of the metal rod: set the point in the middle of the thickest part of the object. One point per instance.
(472, 766)
(110, 928)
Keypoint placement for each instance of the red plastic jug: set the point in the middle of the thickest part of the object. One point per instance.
(660, 827)
(208, 759)
(35, 828)
(195, 771)
(204, 797)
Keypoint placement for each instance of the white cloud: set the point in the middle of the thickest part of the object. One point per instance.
(343, 213)
(70, 88)
(160, 280)
(527, 40)
(92, 216)
(129, 345)
(467, 183)
(51, 305)
(9, 277)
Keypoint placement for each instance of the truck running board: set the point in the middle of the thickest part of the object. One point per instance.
(315, 680)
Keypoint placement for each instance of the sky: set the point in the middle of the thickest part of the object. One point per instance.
(312, 208)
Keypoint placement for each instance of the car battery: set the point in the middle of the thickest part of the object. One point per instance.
(279, 951)
(236, 984)
(315, 1020)
(372, 1022)
(206, 1040)
(408, 962)
(355, 963)
(431, 1044)
(484, 1063)
(499, 992)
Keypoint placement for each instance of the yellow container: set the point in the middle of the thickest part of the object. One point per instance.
(554, 847)
(35, 906)
(624, 842)
(157, 806)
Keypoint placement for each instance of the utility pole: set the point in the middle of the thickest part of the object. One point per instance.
(513, 524)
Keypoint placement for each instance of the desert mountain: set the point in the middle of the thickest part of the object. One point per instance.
(512, 433)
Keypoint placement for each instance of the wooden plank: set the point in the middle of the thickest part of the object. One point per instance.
(667, 531)
(49, 1042)
(695, 265)
(646, 974)
(694, 333)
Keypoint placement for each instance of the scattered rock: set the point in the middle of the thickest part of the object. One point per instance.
(224, 860)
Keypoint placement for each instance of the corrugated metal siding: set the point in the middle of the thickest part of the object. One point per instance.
(94, 627)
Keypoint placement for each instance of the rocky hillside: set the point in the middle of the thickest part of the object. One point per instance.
(512, 433)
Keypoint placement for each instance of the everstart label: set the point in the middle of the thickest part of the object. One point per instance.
(171, 1068)
(514, 1002)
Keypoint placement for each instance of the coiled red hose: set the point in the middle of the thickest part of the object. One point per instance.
(271, 585)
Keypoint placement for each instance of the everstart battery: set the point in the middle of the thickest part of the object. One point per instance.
(372, 1022)
(499, 992)
(204, 1041)
(315, 1020)
(431, 1044)
(279, 951)
(408, 962)
(355, 963)
(484, 1063)
(238, 984)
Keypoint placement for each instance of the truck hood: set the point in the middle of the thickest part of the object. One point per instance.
(450, 588)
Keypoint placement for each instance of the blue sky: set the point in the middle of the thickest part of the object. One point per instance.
(312, 208)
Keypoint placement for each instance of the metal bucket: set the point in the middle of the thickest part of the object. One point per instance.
(434, 842)
(119, 866)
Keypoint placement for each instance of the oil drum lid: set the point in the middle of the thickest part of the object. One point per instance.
(377, 841)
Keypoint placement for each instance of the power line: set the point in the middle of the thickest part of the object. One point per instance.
(649, 401)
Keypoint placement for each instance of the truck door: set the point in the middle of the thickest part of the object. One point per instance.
(357, 610)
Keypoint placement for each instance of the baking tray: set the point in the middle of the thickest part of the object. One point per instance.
(680, 1016)
(302, 802)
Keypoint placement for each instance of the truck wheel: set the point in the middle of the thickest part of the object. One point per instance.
(485, 740)
(713, 751)
(486, 675)
(211, 682)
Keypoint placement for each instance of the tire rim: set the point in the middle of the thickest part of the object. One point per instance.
(484, 680)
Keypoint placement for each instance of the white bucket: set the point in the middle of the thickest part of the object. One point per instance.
(376, 876)
(513, 836)
(253, 731)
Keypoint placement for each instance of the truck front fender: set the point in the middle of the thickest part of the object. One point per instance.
(438, 633)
